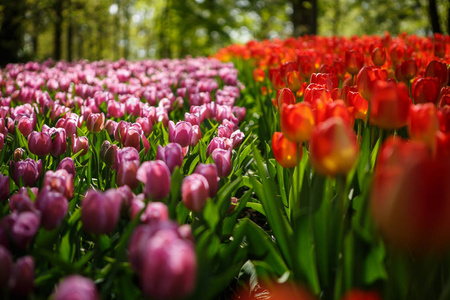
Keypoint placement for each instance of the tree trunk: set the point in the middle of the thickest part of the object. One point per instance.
(126, 31)
(304, 17)
(69, 32)
(164, 33)
(58, 29)
(448, 17)
(11, 31)
(434, 17)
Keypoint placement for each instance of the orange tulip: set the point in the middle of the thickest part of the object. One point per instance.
(410, 196)
(297, 121)
(390, 105)
(359, 104)
(286, 153)
(333, 147)
(259, 75)
(294, 81)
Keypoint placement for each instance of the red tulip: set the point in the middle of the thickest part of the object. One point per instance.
(367, 78)
(286, 153)
(330, 81)
(284, 96)
(409, 69)
(297, 121)
(294, 81)
(378, 56)
(259, 75)
(439, 70)
(423, 123)
(425, 89)
(354, 61)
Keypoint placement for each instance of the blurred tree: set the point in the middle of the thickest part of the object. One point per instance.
(304, 17)
(11, 30)
(434, 16)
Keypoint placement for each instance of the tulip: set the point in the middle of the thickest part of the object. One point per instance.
(330, 81)
(169, 270)
(28, 171)
(410, 197)
(18, 154)
(156, 178)
(237, 137)
(294, 81)
(2, 141)
(26, 125)
(6, 266)
(425, 89)
(146, 125)
(21, 282)
(154, 213)
(284, 95)
(306, 65)
(286, 153)
(20, 202)
(100, 211)
(444, 119)
(80, 144)
(53, 207)
(24, 229)
(115, 109)
(287, 67)
(378, 56)
(361, 295)
(276, 79)
(111, 126)
(396, 53)
(194, 192)
(333, 147)
(297, 121)
(209, 171)
(354, 61)
(171, 154)
(126, 154)
(108, 153)
(390, 105)
(39, 143)
(222, 159)
(358, 104)
(95, 122)
(180, 133)
(259, 75)
(67, 164)
(196, 135)
(439, 70)
(423, 123)
(126, 174)
(69, 125)
(4, 187)
(367, 78)
(59, 143)
(409, 69)
(60, 181)
(76, 287)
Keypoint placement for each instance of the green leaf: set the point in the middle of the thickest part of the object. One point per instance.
(256, 206)
(374, 266)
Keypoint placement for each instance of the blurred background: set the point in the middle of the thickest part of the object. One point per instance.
(136, 29)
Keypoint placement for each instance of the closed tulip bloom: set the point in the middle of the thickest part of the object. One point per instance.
(439, 70)
(69, 125)
(330, 81)
(154, 213)
(4, 187)
(237, 137)
(222, 159)
(21, 282)
(100, 211)
(333, 147)
(67, 164)
(390, 105)
(180, 133)
(259, 75)
(359, 105)
(26, 125)
(53, 207)
(423, 123)
(39, 143)
(410, 197)
(294, 81)
(115, 109)
(95, 122)
(367, 77)
(28, 171)
(6, 266)
(20, 202)
(126, 174)
(25, 228)
(297, 121)
(396, 53)
(378, 56)
(194, 192)
(444, 119)
(354, 61)
(76, 287)
(108, 153)
(59, 143)
(196, 135)
(409, 69)
(209, 171)
(111, 126)
(425, 89)
(284, 95)
(2, 141)
(132, 137)
(146, 125)
(170, 269)
(171, 154)
(286, 153)
(80, 144)
(156, 178)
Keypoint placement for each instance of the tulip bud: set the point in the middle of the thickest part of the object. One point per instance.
(76, 287)
(24, 229)
(259, 75)
(4, 187)
(53, 207)
(59, 143)
(285, 96)
(5, 265)
(367, 78)
(18, 154)
(297, 121)
(294, 81)
(194, 192)
(146, 125)
(286, 153)
(171, 154)
(439, 70)
(60, 181)
(196, 135)
(156, 178)
(409, 69)
(39, 143)
(169, 268)
(155, 212)
(80, 144)
(222, 159)
(28, 171)
(67, 164)
(21, 282)
(180, 133)
(111, 126)
(423, 123)
(95, 122)
(425, 89)
(354, 61)
(108, 153)
(237, 137)
(333, 147)
(378, 56)
(100, 211)
(209, 171)
(126, 175)
(26, 125)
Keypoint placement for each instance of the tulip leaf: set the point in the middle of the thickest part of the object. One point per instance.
(256, 206)
(211, 214)
(374, 268)
(225, 194)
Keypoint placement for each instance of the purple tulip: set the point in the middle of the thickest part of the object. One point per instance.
(21, 282)
(76, 287)
(146, 125)
(67, 164)
(100, 211)
(110, 126)
(156, 178)
(39, 143)
(27, 170)
(108, 153)
(155, 212)
(171, 154)
(95, 122)
(115, 109)
(24, 229)
(69, 124)
(126, 175)
(194, 192)
(4, 187)
(6, 266)
(222, 159)
(25, 125)
(59, 143)
(180, 133)
(126, 154)
(209, 171)
(53, 207)
(80, 144)
(237, 137)
(2, 141)
(21, 202)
